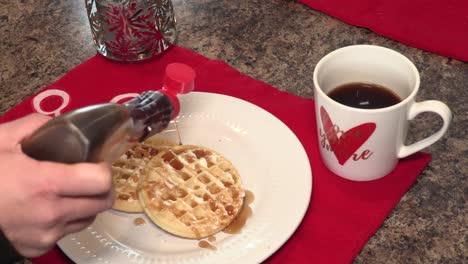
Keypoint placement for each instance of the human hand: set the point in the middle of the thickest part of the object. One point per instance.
(43, 201)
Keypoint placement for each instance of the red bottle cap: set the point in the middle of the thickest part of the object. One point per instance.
(178, 79)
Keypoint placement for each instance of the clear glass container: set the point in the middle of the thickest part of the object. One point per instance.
(131, 30)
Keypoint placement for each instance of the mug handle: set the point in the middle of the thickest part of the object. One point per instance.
(427, 106)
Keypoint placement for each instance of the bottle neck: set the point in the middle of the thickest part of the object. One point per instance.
(151, 112)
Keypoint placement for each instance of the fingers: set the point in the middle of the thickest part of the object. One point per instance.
(13, 132)
(73, 208)
(78, 225)
(83, 179)
(50, 199)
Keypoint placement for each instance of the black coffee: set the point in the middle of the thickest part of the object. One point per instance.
(364, 95)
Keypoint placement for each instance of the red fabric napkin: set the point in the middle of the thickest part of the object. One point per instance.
(433, 25)
(342, 214)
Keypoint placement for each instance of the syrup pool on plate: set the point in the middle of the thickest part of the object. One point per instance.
(139, 221)
(239, 222)
(207, 245)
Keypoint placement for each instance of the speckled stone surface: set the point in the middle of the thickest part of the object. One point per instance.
(278, 42)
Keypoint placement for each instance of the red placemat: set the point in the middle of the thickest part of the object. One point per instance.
(342, 214)
(433, 25)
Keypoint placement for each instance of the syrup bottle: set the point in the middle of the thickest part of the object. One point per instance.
(103, 132)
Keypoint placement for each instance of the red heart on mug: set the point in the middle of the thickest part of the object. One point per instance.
(344, 147)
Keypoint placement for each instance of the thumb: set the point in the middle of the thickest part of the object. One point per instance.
(13, 132)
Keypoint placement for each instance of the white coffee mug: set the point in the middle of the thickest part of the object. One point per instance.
(365, 144)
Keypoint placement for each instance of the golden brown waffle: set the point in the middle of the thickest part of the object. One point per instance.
(126, 173)
(191, 191)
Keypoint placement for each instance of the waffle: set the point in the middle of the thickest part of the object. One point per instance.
(191, 191)
(126, 173)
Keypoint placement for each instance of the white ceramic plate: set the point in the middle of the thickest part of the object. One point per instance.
(272, 164)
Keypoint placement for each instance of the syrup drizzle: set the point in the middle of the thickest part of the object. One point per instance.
(178, 132)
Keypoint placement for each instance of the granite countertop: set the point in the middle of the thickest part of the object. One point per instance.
(278, 42)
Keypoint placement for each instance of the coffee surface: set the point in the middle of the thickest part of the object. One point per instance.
(364, 95)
